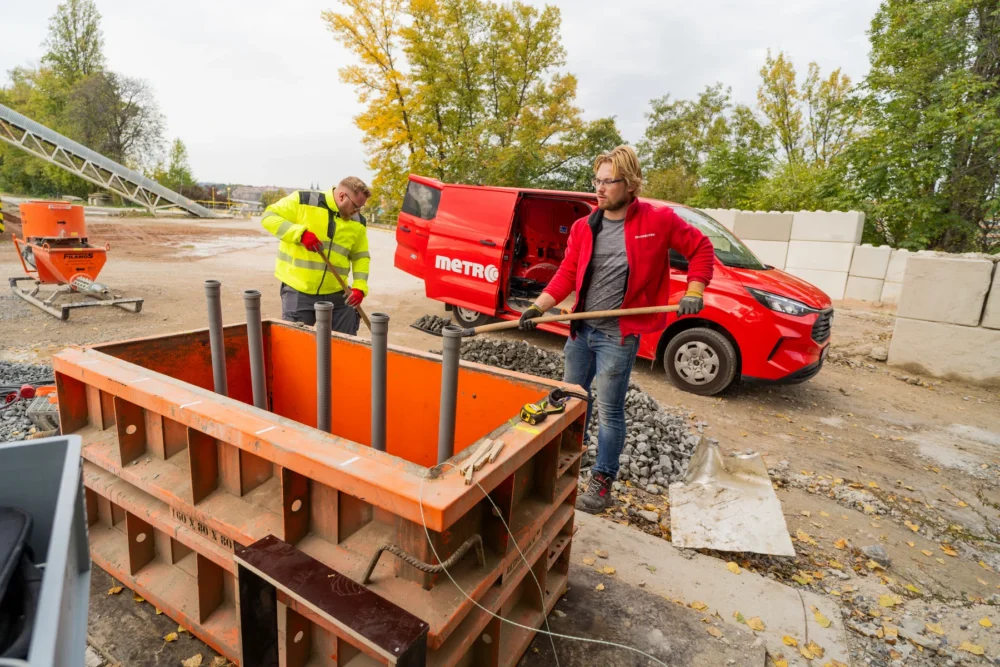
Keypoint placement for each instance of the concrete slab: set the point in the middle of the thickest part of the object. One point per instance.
(951, 351)
(724, 216)
(870, 262)
(991, 315)
(831, 226)
(897, 266)
(891, 292)
(689, 576)
(820, 255)
(761, 226)
(772, 253)
(943, 289)
(863, 289)
(833, 283)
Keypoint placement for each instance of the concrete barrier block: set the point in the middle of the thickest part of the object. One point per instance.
(833, 283)
(951, 351)
(724, 216)
(891, 292)
(897, 266)
(991, 316)
(939, 289)
(772, 253)
(820, 255)
(831, 226)
(863, 289)
(763, 226)
(870, 262)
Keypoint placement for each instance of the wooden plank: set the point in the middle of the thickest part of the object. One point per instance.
(295, 505)
(141, 543)
(203, 452)
(131, 426)
(210, 587)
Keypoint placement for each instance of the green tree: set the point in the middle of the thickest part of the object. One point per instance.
(268, 197)
(176, 173)
(929, 162)
(75, 43)
(576, 170)
(778, 97)
(738, 164)
(832, 115)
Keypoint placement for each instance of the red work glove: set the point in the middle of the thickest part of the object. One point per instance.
(355, 298)
(311, 241)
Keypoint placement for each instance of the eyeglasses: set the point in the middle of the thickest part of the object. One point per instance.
(351, 199)
(606, 181)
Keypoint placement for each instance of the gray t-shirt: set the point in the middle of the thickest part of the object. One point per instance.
(607, 283)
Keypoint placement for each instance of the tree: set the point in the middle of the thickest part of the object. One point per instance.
(929, 162)
(832, 115)
(576, 170)
(268, 197)
(680, 134)
(176, 174)
(778, 97)
(75, 43)
(738, 164)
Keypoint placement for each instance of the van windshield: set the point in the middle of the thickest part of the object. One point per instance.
(729, 249)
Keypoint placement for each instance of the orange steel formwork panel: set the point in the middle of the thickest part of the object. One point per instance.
(177, 476)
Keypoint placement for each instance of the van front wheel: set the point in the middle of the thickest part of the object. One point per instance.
(701, 361)
(470, 318)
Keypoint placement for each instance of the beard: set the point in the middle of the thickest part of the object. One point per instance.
(613, 203)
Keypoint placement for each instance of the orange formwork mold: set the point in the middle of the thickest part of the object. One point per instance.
(177, 477)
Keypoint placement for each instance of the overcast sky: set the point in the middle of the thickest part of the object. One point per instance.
(251, 86)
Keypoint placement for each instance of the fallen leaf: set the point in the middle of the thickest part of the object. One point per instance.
(715, 632)
(159, 612)
(601, 553)
(982, 581)
(962, 503)
(116, 590)
(589, 561)
(600, 587)
(699, 606)
(780, 662)
(911, 544)
(926, 552)
(935, 628)
(756, 624)
(841, 543)
(193, 661)
(803, 536)
(219, 661)
(948, 551)
(733, 567)
(895, 655)
(872, 565)
(823, 621)
(609, 570)
(913, 589)
(739, 617)
(873, 485)
(836, 565)
(806, 513)
(180, 629)
(802, 580)
(986, 622)
(806, 653)
(824, 514)
(985, 566)
(790, 641)
(138, 598)
(172, 637)
(969, 647)
(889, 600)
(651, 568)
(815, 649)
(940, 560)
(834, 663)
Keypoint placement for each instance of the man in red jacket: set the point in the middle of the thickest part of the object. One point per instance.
(617, 258)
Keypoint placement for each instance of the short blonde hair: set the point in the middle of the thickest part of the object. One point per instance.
(624, 164)
(356, 185)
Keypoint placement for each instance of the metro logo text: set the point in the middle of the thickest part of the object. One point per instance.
(487, 272)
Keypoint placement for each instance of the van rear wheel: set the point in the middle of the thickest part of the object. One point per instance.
(470, 318)
(701, 361)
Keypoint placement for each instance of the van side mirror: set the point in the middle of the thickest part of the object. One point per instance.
(678, 261)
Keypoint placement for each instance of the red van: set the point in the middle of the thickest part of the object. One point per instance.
(487, 252)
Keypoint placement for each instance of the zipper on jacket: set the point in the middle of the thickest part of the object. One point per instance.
(331, 227)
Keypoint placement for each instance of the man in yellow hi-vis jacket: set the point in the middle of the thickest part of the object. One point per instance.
(309, 222)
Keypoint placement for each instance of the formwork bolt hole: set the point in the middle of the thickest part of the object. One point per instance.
(297, 505)
(140, 538)
(130, 429)
(298, 636)
(487, 639)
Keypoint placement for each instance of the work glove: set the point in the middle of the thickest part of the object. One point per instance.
(355, 298)
(525, 323)
(691, 303)
(311, 241)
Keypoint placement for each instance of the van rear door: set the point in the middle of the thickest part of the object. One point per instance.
(420, 205)
(464, 256)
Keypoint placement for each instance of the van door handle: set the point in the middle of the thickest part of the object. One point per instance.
(404, 228)
(487, 242)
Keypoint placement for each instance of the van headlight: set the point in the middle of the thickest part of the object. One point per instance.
(781, 304)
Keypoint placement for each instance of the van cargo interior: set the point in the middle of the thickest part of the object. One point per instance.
(540, 234)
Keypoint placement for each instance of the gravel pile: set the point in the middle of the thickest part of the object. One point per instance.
(14, 422)
(432, 323)
(658, 444)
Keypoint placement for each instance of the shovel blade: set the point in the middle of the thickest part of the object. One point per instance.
(728, 504)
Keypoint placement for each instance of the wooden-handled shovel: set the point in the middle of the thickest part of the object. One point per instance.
(513, 324)
(347, 290)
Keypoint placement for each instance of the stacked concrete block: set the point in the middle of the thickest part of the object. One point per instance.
(763, 226)
(828, 226)
(945, 324)
(724, 216)
(893, 286)
(772, 253)
(866, 278)
(832, 283)
(821, 248)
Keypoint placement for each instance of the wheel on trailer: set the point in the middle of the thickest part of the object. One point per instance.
(470, 318)
(701, 361)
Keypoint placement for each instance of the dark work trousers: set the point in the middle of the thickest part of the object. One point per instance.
(299, 307)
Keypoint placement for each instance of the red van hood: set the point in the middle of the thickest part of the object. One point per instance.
(783, 284)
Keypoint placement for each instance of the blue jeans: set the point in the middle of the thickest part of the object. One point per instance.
(596, 355)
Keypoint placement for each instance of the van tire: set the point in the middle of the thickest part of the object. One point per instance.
(700, 361)
(469, 318)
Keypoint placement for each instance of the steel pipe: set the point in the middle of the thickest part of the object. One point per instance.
(213, 290)
(380, 345)
(255, 340)
(452, 337)
(324, 326)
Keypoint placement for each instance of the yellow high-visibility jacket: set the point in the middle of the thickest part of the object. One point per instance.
(345, 243)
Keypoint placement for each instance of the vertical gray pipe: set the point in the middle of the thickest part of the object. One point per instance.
(380, 345)
(255, 340)
(324, 325)
(449, 391)
(213, 290)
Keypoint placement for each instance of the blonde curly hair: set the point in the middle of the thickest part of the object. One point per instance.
(624, 164)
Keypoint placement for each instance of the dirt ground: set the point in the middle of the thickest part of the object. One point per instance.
(863, 454)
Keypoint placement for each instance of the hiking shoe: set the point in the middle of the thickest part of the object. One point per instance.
(598, 495)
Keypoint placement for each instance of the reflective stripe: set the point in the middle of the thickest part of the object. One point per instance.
(355, 256)
(339, 249)
(314, 199)
(268, 214)
(283, 228)
(308, 264)
(359, 276)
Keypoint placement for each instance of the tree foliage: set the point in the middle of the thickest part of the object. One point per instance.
(75, 43)
(268, 197)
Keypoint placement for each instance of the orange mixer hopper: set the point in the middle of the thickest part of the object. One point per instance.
(55, 250)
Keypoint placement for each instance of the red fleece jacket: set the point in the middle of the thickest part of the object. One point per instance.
(651, 230)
